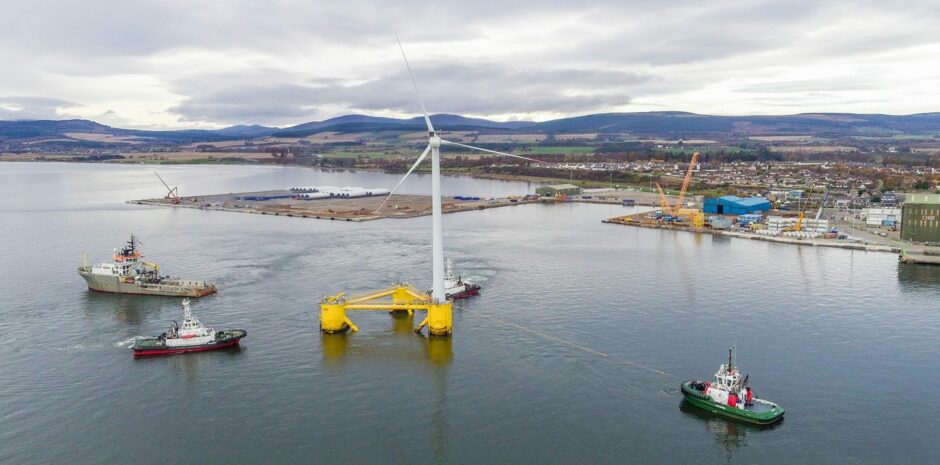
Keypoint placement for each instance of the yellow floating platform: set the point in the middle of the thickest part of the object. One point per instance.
(401, 297)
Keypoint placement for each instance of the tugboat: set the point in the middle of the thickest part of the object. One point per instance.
(191, 336)
(731, 396)
(130, 274)
(456, 288)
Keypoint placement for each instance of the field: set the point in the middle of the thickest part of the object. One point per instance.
(98, 137)
(191, 157)
(567, 137)
(813, 149)
(799, 138)
(464, 137)
(555, 150)
(360, 154)
(675, 142)
(218, 145)
(509, 138)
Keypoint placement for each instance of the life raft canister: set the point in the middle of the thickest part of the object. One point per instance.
(732, 400)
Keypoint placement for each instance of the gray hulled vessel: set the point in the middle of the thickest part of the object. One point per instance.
(130, 274)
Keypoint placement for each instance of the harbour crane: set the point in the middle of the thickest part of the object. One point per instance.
(799, 221)
(822, 203)
(677, 207)
(171, 193)
(685, 183)
(662, 199)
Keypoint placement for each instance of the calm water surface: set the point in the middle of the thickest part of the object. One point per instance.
(551, 364)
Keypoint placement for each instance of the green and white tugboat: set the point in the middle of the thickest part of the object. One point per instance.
(730, 395)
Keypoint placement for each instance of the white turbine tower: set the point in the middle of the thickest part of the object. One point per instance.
(434, 146)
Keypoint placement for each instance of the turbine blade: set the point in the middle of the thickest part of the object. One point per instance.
(490, 151)
(424, 154)
(427, 119)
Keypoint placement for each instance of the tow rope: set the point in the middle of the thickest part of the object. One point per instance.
(569, 343)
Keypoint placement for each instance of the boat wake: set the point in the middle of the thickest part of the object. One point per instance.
(129, 342)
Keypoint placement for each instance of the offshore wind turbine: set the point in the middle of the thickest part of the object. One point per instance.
(434, 146)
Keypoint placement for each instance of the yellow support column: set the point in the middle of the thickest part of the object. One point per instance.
(333, 317)
(402, 296)
(440, 319)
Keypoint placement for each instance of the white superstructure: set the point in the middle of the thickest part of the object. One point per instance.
(126, 262)
(190, 332)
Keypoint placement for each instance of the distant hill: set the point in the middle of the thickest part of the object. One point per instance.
(362, 123)
(672, 124)
(679, 124)
(48, 128)
(44, 129)
(245, 131)
(661, 124)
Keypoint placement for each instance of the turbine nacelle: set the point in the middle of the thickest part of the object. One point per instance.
(434, 141)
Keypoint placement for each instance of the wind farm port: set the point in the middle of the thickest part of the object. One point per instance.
(362, 204)
(296, 203)
(806, 217)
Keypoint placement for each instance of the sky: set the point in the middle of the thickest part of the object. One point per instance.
(211, 63)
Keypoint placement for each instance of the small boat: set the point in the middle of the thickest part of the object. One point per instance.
(730, 395)
(457, 288)
(191, 336)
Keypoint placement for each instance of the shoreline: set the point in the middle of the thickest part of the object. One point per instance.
(251, 162)
(758, 237)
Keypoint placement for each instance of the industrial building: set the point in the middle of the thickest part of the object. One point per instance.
(734, 205)
(920, 218)
(882, 216)
(889, 199)
(563, 189)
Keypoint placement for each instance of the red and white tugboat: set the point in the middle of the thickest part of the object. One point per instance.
(457, 288)
(191, 336)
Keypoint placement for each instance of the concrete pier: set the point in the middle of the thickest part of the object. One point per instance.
(280, 203)
(641, 220)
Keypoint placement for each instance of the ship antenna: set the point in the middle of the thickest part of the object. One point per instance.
(730, 357)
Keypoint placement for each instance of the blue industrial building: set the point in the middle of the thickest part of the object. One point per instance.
(734, 205)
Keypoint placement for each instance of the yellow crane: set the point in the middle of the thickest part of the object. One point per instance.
(686, 182)
(799, 220)
(172, 193)
(662, 199)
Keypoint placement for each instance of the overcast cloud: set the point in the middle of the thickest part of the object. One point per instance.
(214, 63)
